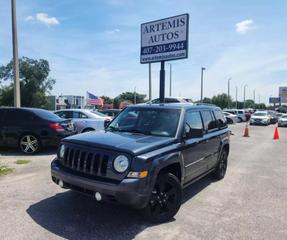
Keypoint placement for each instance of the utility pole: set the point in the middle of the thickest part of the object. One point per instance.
(149, 78)
(170, 74)
(17, 102)
(201, 95)
(244, 95)
(228, 99)
(254, 97)
(236, 95)
(135, 96)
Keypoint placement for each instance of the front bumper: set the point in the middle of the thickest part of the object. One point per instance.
(132, 192)
(258, 122)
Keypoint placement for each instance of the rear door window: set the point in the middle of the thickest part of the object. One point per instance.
(65, 114)
(15, 115)
(208, 121)
(79, 115)
(193, 123)
(220, 118)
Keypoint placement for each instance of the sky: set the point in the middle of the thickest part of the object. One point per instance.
(94, 45)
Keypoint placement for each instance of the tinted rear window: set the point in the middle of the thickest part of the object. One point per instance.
(208, 120)
(220, 118)
(44, 114)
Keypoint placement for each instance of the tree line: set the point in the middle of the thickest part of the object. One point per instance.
(36, 85)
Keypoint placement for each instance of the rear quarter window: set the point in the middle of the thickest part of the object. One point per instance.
(208, 121)
(220, 119)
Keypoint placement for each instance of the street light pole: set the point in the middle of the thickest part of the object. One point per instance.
(244, 95)
(229, 79)
(135, 96)
(236, 95)
(149, 80)
(254, 97)
(170, 74)
(201, 95)
(17, 102)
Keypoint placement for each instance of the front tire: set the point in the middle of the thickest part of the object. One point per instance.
(165, 199)
(29, 144)
(220, 171)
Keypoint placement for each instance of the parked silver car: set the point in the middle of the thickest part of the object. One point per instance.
(85, 120)
(282, 122)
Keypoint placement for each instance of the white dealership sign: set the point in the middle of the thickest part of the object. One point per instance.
(165, 39)
(283, 94)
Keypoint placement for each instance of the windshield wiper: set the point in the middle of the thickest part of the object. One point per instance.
(138, 131)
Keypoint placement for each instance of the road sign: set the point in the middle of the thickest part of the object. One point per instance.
(283, 94)
(165, 39)
(274, 100)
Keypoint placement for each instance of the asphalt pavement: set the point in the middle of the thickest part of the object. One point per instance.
(249, 203)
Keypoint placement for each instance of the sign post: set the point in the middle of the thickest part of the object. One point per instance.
(164, 40)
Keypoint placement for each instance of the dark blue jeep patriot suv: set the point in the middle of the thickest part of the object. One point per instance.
(146, 156)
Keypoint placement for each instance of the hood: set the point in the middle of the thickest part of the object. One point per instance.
(132, 143)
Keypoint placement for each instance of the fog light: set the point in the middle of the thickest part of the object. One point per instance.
(61, 183)
(98, 196)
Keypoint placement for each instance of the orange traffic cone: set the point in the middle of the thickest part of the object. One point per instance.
(246, 131)
(276, 134)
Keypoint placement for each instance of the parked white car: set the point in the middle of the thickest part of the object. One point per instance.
(240, 113)
(260, 118)
(231, 118)
(282, 122)
(85, 120)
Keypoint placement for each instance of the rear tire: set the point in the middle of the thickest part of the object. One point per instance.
(165, 199)
(220, 171)
(29, 144)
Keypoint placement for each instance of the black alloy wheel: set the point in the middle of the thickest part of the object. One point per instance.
(220, 171)
(29, 144)
(165, 199)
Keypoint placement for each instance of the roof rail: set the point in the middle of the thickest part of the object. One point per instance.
(205, 104)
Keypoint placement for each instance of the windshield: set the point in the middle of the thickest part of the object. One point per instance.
(260, 114)
(149, 121)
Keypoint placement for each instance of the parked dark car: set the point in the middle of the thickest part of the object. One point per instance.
(146, 156)
(30, 129)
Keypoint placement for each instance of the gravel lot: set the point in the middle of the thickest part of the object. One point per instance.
(250, 203)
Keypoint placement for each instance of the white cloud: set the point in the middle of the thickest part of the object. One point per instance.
(43, 18)
(29, 18)
(114, 31)
(243, 26)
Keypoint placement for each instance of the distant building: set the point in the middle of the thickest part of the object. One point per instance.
(70, 101)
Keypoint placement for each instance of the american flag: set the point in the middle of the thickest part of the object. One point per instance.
(94, 100)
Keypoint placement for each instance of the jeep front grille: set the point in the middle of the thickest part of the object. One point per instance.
(90, 162)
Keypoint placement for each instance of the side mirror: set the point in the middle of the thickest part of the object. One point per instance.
(196, 133)
(193, 133)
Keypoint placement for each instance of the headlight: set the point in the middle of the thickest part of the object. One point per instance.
(62, 151)
(121, 163)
